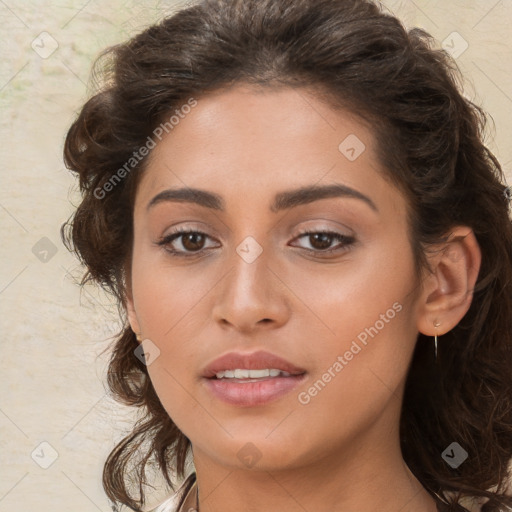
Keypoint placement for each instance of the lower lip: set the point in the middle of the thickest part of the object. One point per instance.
(250, 394)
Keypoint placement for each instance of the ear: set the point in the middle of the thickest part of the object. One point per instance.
(130, 310)
(447, 290)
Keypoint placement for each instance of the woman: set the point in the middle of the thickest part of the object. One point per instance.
(292, 203)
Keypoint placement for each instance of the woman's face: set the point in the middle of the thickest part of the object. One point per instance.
(341, 308)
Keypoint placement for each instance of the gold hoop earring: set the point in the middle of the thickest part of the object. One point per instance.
(138, 335)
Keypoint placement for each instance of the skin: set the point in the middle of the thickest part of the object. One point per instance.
(340, 451)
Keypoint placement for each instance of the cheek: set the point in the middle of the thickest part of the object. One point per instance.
(360, 366)
(171, 306)
(368, 329)
(168, 298)
(370, 295)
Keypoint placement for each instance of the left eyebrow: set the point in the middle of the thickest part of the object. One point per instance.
(305, 195)
(282, 200)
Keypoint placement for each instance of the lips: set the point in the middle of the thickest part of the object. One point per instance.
(250, 361)
(249, 392)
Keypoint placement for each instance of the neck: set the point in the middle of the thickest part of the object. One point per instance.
(351, 478)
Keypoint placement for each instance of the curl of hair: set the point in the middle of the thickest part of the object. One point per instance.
(430, 142)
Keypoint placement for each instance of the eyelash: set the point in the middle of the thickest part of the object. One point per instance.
(346, 241)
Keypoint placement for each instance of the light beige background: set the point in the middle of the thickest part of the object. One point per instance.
(52, 334)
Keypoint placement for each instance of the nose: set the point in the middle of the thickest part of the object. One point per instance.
(251, 296)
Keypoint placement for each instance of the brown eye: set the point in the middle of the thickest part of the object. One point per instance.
(193, 241)
(184, 242)
(321, 241)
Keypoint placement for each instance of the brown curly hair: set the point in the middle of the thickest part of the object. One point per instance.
(430, 141)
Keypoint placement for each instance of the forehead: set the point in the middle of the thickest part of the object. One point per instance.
(253, 141)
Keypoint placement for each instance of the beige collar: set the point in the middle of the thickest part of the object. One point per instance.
(190, 502)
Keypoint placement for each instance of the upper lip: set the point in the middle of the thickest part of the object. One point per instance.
(250, 361)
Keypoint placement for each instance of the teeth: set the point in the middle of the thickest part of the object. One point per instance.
(250, 374)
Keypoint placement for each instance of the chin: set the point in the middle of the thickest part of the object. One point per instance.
(254, 451)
